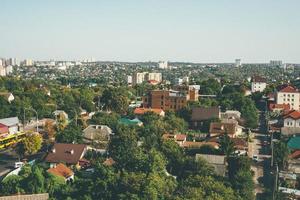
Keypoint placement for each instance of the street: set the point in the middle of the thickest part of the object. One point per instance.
(8, 157)
(260, 147)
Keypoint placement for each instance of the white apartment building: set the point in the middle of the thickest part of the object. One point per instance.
(238, 62)
(275, 62)
(138, 78)
(289, 95)
(258, 84)
(163, 65)
(154, 76)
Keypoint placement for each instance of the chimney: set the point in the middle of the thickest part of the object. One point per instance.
(222, 127)
(72, 151)
(53, 150)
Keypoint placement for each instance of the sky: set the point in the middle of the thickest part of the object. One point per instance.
(151, 30)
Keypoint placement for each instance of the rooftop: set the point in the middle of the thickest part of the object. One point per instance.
(66, 153)
(10, 121)
(61, 170)
(294, 143)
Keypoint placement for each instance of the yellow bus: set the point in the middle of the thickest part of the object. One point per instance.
(11, 139)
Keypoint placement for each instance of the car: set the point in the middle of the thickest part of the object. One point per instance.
(255, 158)
(18, 164)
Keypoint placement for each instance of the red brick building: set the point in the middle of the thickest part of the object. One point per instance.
(165, 99)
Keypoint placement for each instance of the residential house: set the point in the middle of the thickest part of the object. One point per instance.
(8, 96)
(69, 154)
(273, 107)
(217, 161)
(291, 123)
(202, 114)
(167, 100)
(62, 171)
(12, 123)
(141, 111)
(3, 130)
(294, 161)
(219, 128)
(178, 138)
(294, 143)
(240, 145)
(288, 95)
(231, 114)
(258, 84)
(97, 136)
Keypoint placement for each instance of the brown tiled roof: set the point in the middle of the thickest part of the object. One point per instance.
(66, 153)
(222, 128)
(61, 170)
(202, 113)
(273, 106)
(295, 154)
(240, 143)
(258, 79)
(180, 137)
(289, 89)
(293, 114)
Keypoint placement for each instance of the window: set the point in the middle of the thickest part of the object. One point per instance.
(284, 95)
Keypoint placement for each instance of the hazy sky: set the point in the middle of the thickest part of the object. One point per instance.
(143, 30)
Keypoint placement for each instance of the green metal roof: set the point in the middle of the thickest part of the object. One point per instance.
(294, 142)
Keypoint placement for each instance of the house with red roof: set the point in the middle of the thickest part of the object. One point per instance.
(291, 123)
(288, 95)
(273, 107)
(62, 171)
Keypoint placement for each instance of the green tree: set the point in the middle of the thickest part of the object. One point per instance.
(31, 144)
(70, 134)
(226, 145)
(11, 185)
(281, 153)
(114, 99)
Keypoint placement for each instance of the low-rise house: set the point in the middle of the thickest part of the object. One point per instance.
(69, 154)
(231, 114)
(202, 114)
(42, 196)
(141, 111)
(97, 136)
(217, 161)
(294, 143)
(291, 123)
(219, 128)
(3, 130)
(294, 162)
(178, 138)
(273, 107)
(240, 145)
(62, 171)
(8, 96)
(11, 123)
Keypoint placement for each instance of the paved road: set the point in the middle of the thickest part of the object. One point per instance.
(8, 157)
(258, 148)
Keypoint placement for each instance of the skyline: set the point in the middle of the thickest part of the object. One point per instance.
(190, 31)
